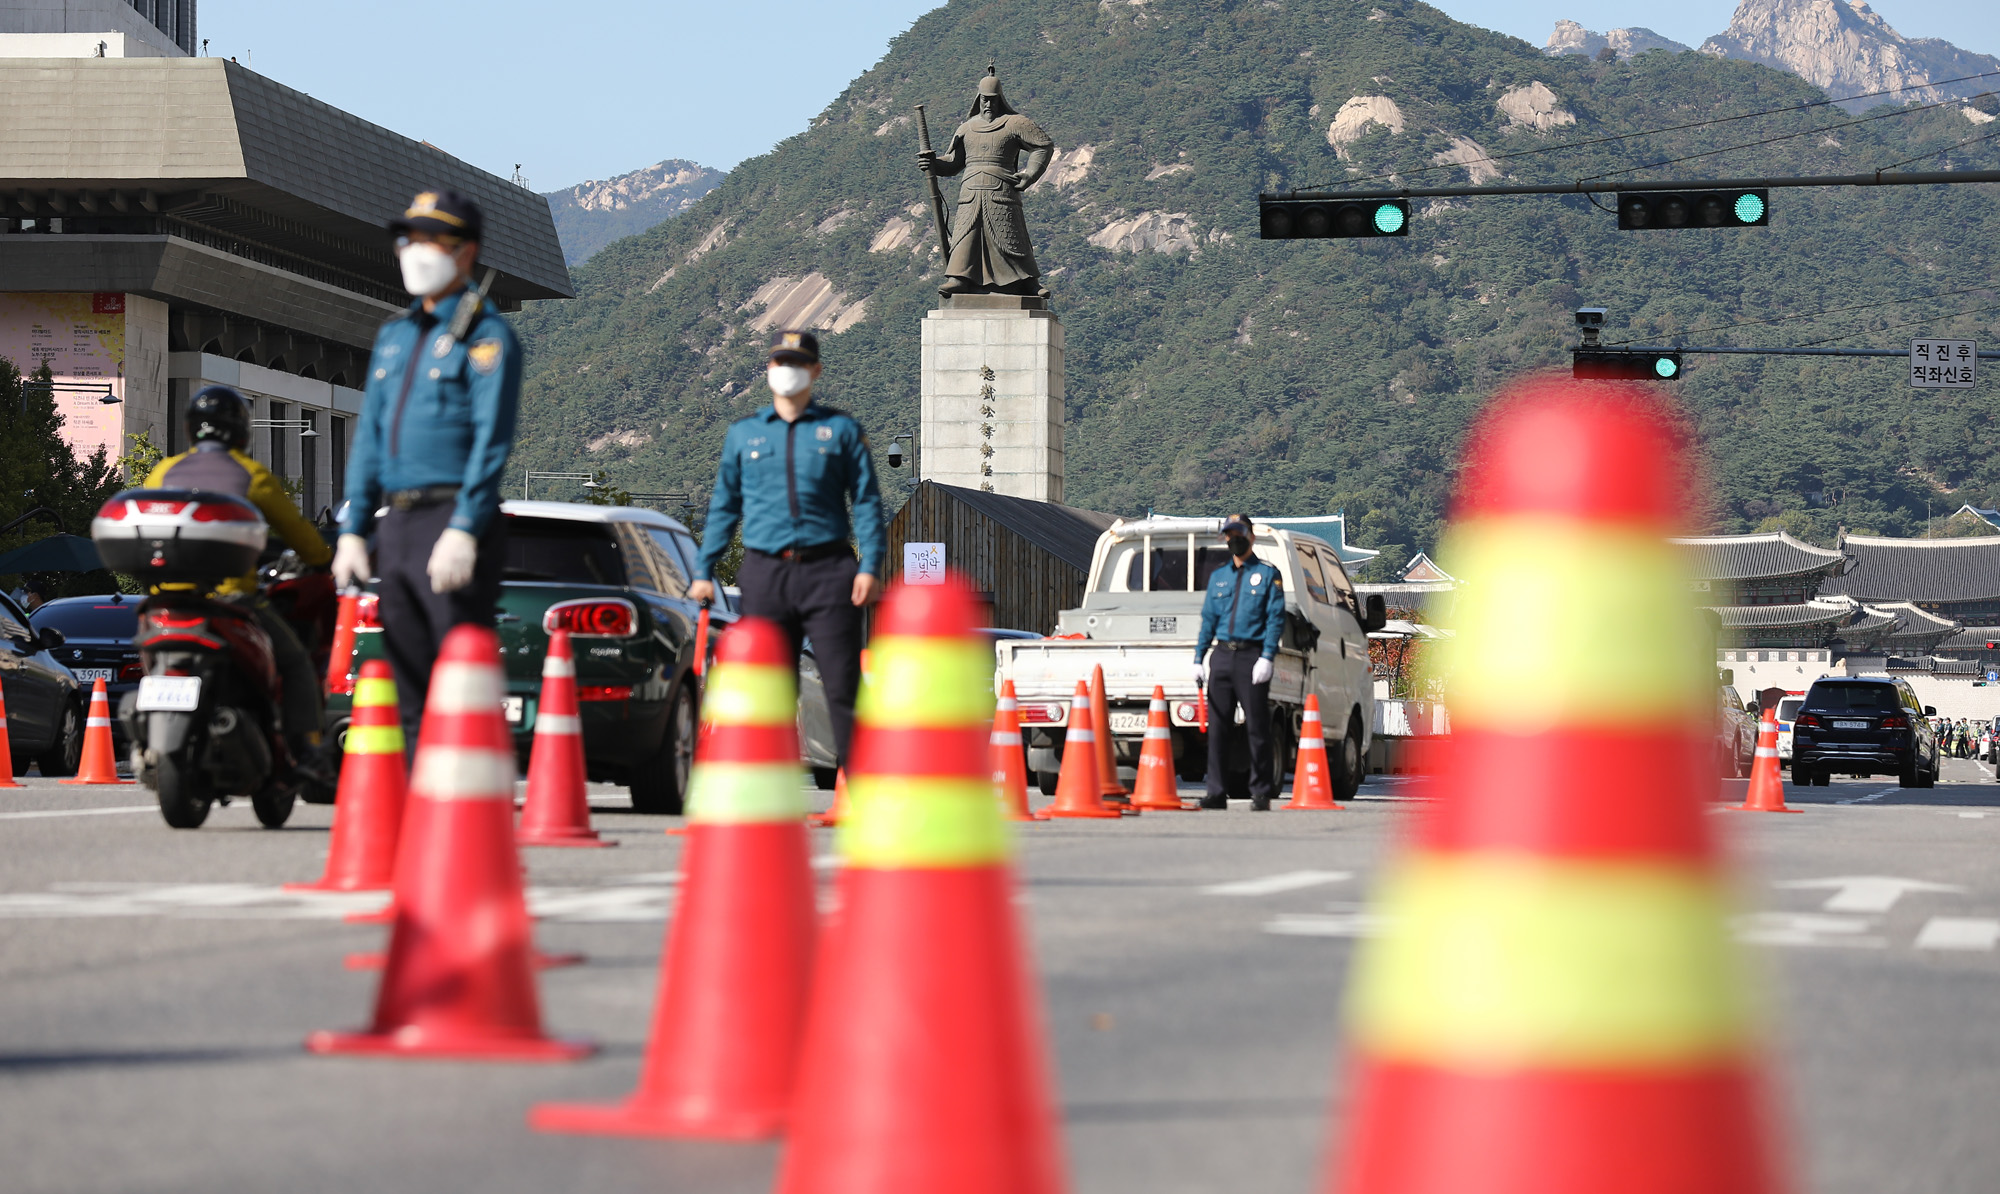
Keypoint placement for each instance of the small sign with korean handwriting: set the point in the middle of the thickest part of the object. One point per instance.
(923, 563)
(1942, 364)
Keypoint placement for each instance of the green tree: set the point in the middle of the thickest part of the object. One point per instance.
(39, 469)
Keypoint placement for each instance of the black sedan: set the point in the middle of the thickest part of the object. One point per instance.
(97, 644)
(44, 703)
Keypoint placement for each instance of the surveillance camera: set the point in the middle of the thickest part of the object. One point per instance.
(895, 456)
(1590, 317)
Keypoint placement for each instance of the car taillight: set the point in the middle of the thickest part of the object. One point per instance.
(167, 619)
(131, 671)
(1042, 714)
(218, 511)
(1895, 721)
(161, 507)
(1807, 721)
(604, 692)
(594, 617)
(368, 612)
(114, 510)
(1185, 711)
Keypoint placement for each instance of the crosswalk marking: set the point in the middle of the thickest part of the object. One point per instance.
(1273, 884)
(1959, 932)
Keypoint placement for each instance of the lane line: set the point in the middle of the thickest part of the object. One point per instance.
(80, 812)
(1870, 796)
(1959, 932)
(1273, 884)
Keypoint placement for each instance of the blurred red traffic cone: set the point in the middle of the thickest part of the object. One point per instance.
(368, 809)
(1010, 770)
(1766, 793)
(340, 657)
(6, 751)
(1157, 786)
(1076, 783)
(924, 1069)
(556, 811)
(1312, 778)
(732, 997)
(100, 761)
(1109, 790)
(459, 981)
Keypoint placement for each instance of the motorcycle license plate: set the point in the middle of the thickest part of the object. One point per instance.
(515, 708)
(1128, 723)
(169, 694)
(88, 674)
(1850, 725)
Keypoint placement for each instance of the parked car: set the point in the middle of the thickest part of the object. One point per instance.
(1735, 732)
(97, 634)
(1862, 725)
(1788, 710)
(44, 703)
(616, 578)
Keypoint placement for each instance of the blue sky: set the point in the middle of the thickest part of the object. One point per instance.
(594, 88)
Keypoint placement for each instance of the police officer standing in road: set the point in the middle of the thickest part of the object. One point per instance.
(437, 422)
(1243, 615)
(788, 473)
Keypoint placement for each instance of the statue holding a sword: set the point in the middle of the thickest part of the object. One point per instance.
(986, 249)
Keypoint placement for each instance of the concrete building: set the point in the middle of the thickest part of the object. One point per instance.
(97, 29)
(170, 222)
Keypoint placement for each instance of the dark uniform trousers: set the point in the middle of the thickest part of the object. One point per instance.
(1229, 685)
(414, 619)
(813, 599)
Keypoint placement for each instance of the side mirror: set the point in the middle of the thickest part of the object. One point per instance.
(1930, 710)
(1377, 615)
(48, 638)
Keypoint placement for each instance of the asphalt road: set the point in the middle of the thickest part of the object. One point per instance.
(155, 987)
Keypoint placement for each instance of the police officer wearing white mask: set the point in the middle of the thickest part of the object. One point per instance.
(1243, 614)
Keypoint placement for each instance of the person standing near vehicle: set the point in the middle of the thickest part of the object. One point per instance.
(436, 425)
(1243, 614)
(788, 474)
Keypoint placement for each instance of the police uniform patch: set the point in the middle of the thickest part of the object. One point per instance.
(485, 355)
(824, 433)
(1255, 580)
(442, 348)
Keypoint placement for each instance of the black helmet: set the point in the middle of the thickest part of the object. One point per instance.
(219, 412)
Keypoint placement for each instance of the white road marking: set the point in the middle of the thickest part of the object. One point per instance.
(1959, 932)
(1864, 893)
(80, 812)
(1326, 924)
(1796, 928)
(1273, 884)
(1872, 796)
(260, 901)
(1973, 816)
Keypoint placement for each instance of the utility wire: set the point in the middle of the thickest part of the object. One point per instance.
(1750, 323)
(1962, 143)
(1892, 327)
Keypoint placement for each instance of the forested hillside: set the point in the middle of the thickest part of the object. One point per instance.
(1208, 369)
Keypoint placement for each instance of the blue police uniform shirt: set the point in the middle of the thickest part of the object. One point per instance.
(436, 412)
(789, 485)
(1243, 603)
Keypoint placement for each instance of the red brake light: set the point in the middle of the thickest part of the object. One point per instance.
(1807, 720)
(1185, 711)
(220, 512)
(1042, 714)
(604, 692)
(131, 671)
(368, 612)
(161, 507)
(114, 510)
(1895, 721)
(167, 619)
(599, 618)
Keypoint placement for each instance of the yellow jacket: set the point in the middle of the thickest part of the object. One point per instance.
(215, 467)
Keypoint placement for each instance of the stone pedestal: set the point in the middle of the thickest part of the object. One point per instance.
(993, 396)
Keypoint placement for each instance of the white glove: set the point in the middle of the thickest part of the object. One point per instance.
(1260, 672)
(451, 560)
(350, 562)
(1201, 675)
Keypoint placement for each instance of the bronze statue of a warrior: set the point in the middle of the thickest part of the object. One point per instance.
(990, 253)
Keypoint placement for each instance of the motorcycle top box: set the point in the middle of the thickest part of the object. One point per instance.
(178, 536)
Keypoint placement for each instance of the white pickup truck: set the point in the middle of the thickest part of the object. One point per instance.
(1140, 616)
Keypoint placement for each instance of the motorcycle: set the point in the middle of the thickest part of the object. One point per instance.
(204, 722)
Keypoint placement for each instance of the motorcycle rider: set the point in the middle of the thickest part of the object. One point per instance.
(218, 425)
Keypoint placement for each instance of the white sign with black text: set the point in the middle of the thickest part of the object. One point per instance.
(1942, 364)
(923, 563)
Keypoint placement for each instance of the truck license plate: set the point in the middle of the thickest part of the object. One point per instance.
(1850, 725)
(515, 708)
(1128, 723)
(169, 694)
(1162, 625)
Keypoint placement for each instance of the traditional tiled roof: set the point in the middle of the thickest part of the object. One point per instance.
(1920, 569)
(1755, 557)
(1971, 638)
(1916, 629)
(1333, 529)
(1956, 667)
(1769, 617)
(1867, 632)
(1423, 570)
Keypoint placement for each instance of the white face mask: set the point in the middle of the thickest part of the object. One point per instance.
(427, 269)
(789, 380)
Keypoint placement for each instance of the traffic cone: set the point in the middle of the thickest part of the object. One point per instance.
(1556, 1006)
(368, 808)
(556, 811)
(340, 658)
(1010, 770)
(100, 761)
(1109, 790)
(732, 997)
(1312, 777)
(1076, 783)
(6, 751)
(838, 809)
(924, 1069)
(459, 981)
(1766, 793)
(1157, 787)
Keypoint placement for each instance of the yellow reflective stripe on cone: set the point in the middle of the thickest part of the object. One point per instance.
(374, 691)
(906, 821)
(374, 740)
(916, 681)
(745, 793)
(749, 694)
(1545, 628)
(1498, 961)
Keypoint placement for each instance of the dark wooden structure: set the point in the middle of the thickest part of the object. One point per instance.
(1031, 558)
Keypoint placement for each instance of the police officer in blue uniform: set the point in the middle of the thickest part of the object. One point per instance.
(788, 475)
(1243, 615)
(437, 423)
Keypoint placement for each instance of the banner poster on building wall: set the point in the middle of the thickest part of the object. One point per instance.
(82, 338)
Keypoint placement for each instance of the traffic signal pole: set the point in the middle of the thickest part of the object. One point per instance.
(1985, 354)
(1879, 178)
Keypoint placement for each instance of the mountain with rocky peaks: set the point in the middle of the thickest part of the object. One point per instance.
(590, 215)
(1572, 38)
(1846, 48)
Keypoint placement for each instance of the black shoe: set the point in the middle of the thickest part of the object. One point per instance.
(1215, 802)
(1260, 804)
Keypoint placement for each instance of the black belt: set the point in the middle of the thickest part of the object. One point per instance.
(805, 555)
(1240, 644)
(416, 499)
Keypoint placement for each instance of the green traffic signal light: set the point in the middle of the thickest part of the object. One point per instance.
(1389, 219)
(1693, 209)
(1750, 208)
(1666, 368)
(1622, 364)
(1331, 218)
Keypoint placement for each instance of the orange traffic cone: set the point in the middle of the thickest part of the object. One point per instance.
(1556, 1006)
(1109, 790)
(1766, 793)
(1010, 770)
(459, 981)
(6, 751)
(1312, 777)
(340, 658)
(925, 1067)
(368, 809)
(1157, 786)
(732, 998)
(100, 762)
(556, 811)
(1076, 783)
(838, 809)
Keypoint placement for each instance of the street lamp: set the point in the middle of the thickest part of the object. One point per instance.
(103, 390)
(304, 426)
(530, 476)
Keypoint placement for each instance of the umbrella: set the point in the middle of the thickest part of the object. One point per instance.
(57, 553)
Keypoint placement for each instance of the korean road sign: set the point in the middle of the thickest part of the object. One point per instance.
(1942, 364)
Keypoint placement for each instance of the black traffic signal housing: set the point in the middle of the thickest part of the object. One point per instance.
(1742, 208)
(1327, 219)
(1621, 364)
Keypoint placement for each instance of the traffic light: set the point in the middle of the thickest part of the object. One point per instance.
(1619, 364)
(1693, 209)
(1321, 219)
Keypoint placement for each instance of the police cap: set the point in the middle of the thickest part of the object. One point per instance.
(445, 213)
(795, 348)
(1238, 524)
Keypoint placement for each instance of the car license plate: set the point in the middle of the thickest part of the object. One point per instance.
(515, 708)
(88, 674)
(1128, 723)
(1850, 725)
(169, 694)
